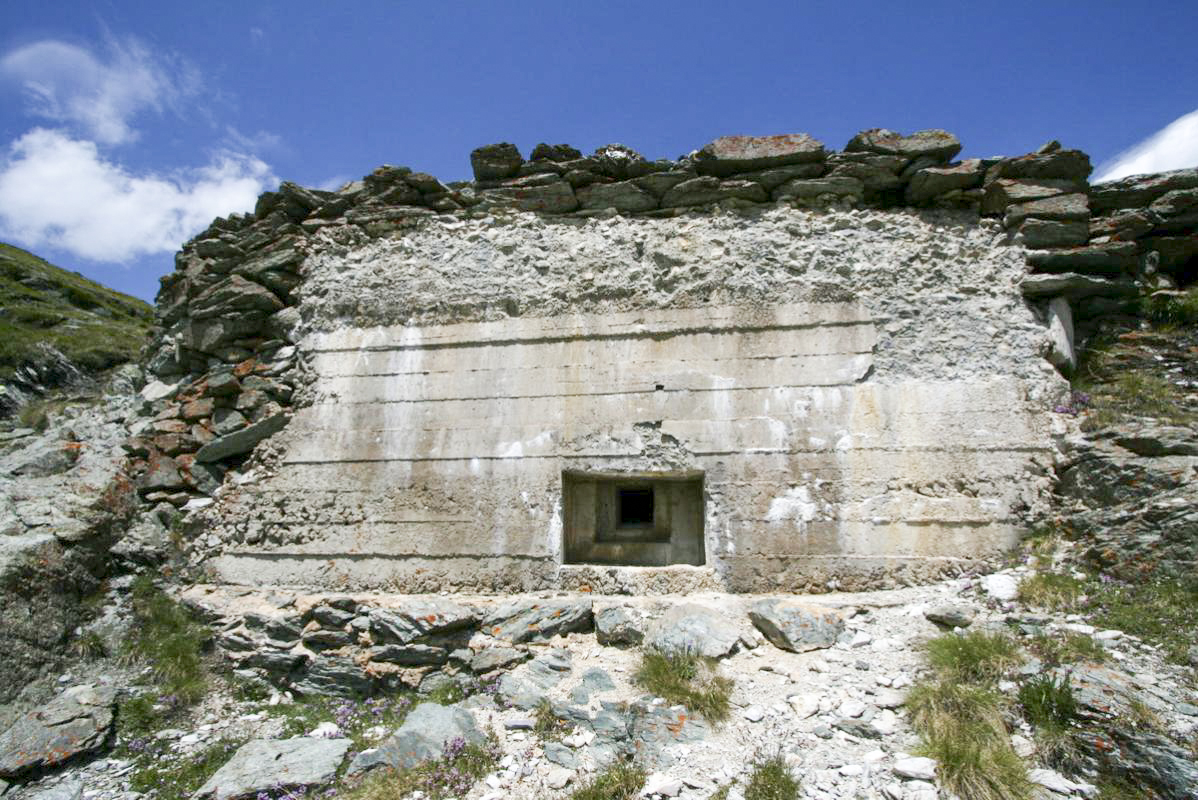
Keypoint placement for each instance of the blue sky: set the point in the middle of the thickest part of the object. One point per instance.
(126, 126)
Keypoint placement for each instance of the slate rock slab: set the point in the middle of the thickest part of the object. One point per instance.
(494, 658)
(526, 687)
(67, 790)
(619, 625)
(423, 736)
(728, 155)
(952, 615)
(75, 722)
(420, 618)
(244, 440)
(797, 627)
(696, 629)
(261, 764)
(528, 620)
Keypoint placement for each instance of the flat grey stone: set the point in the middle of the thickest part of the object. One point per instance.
(797, 627)
(67, 790)
(694, 629)
(261, 764)
(75, 722)
(528, 620)
(619, 625)
(561, 755)
(421, 617)
(423, 735)
(731, 154)
(952, 615)
(242, 441)
(494, 658)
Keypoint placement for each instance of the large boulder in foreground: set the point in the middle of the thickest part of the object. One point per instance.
(422, 737)
(263, 765)
(75, 722)
(797, 627)
(694, 629)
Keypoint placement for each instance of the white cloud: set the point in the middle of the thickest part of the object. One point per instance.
(59, 191)
(70, 85)
(1173, 147)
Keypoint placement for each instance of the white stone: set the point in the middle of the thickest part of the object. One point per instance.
(916, 767)
(889, 698)
(558, 777)
(1108, 635)
(849, 770)
(885, 723)
(860, 639)
(1023, 746)
(804, 705)
(754, 713)
(661, 785)
(1052, 781)
(1001, 586)
(326, 730)
(1060, 334)
(851, 708)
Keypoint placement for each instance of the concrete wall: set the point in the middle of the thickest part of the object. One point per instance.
(855, 422)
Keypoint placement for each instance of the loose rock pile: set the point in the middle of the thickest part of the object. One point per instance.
(835, 710)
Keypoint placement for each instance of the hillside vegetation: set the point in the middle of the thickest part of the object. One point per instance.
(93, 326)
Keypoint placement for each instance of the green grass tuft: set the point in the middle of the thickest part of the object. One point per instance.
(977, 656)
(1067, 648)
(170, 641)
(771, 779)
(686, 679)
(1049, 706)
(962, 728)
(549, 726)
(1171, 309)
(618, 781)
(1051, 590)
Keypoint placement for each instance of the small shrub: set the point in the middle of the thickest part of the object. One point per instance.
(1051, 590)
(618, 781)
(976, 656)
(1048, 704)
(771, 779)
(447, 694)
(974, 764)
(137, 719)
(91, 646)
(686, 679)
(1141, 717)
(1118, 787)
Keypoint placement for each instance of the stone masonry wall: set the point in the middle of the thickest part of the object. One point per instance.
(964, 273)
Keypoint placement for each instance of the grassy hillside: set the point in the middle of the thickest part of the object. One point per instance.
(93, 326)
